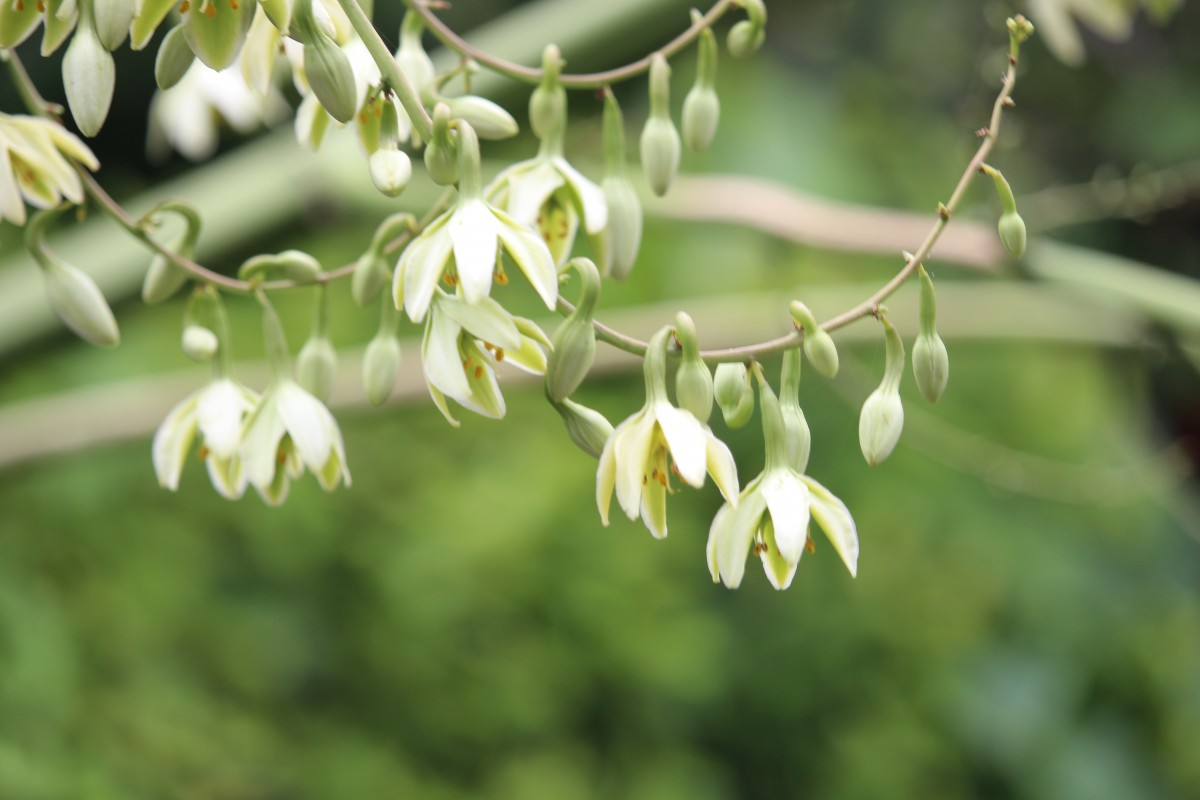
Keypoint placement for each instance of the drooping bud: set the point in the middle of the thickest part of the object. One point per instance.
(164, 278)
(734, 393)
(747, 36)
(215, 29)
(112, 19)
(1011, 226)
(381, 361)
(575, 340)
(414, 62)
(371, 272)
(660, 145)
(930, 361)
(797, 436)
(623, 235)
(73, 295)
(441, 157)
(548, 103)
(89, 75)
(326, 66)
(198, 343)
(586, 427)
(693, 380)
(316, 366)
(882, 417)
(391, 170)
(173, 59)
(489, 120)
(818, 344)
(702, 107)
(293, 265)
(60, 19)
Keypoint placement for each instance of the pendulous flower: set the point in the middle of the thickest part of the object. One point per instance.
(35, 165)
(215, 414)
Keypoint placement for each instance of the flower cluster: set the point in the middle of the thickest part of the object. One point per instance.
(37, 158)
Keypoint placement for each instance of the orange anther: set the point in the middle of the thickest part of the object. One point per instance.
(810, 545)
(478, 371)
(203, 453)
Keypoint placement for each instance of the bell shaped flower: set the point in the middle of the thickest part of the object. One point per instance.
(462, 246)
(215, 415)
(772, 515)
(288, 431)
(637, 458)
(462, 345)
(36, 158)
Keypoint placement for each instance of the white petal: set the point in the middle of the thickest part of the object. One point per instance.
(631, 443)
(654, 508)
(12, 207)
(787, 499)
(736, 534)
(225, 476)
(532, 257)
(474, 232)
(721, 466)
(420, 267)
(606, 476)
(686, 440)
(779, 569)
(529, 189)
(440, 357)
(439, 400)
(834, 518)
(591, 197)
(259, 449)
(172, 441)
(486, 320)
(220, 411)
(309, 423)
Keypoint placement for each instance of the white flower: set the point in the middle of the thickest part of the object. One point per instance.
(186, 116)
(288, 431)
(634, 460)
(550, 196)
(35, 165)
(464, 243)
(464, 342)
(772, 515)
(215, 412)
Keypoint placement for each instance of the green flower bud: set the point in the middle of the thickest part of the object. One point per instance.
(292, 265)
(215, 29)
(745, 38)
(489, 120)
(328, 71)
(575, 340)
(279, 12)
(17, 22)
(174, 58)
(391, 170)
(73, 295)
(660, 144)
(797, 436)
(734, 393)
(882, 417)
(414, 62)
(623, 235)
(1012, 233)
(818, 344)
(1019, 29)
(693, 380)
(930, 361)
(89, 77)
(701, 107)
(548, 103)
(371, 271)
(112, 19)
(199, 343)
(316, 367)
(441, 156)
(587, 428)
(164, 278)
(381, 362)
(150, 14)
(60, 19)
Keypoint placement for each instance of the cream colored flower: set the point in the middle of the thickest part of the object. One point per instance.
(35, 165)
(215, 413)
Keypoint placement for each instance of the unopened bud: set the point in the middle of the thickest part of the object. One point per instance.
(882, 417)
(414, 62)
(489, 120)
(215, 29)
(381, 362)
(316, 367)
(292, 265)
(89, 77)
(623, 235)
(112, 19)
(734, 393)
(1012, 233)
(371, 272)
(79, 303)
(328, 71)
(744, 39)
(797, 436)
(586, 427)
(701, 107)
(391, 170)
(575, 340)
(548, 103)
(199, 343)
(174, 58)
(818, 344)
(930, 361)
(693, 380)
(660, 146)
(441, 158)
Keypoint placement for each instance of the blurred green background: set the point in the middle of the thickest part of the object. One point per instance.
(458, 624)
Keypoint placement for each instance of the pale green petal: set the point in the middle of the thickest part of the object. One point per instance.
(736, 534)
(532, 256)
(474, 232)
(654, 508)
(787, 499)
(173, 440)
(529, 357)
(12, 207)
(420, 267)
(631, 442)
(779, 569)
(276, 491)
(529, 190)
(721, 466)
(485, 397)
(226, 476)
(309, 423)
(440, 356)
(439, 400)
(834, 518)
(718, 527)
(686, 440)
(590, 196)
(486, 320)
(259, 449)
(606, 476)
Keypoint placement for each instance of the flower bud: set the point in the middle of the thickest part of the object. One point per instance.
(586, 427)
(292, 265)
(693, 380)
(391, 170)
(882, 417)
(701, 107)
(930, 361)
(489, 120)
(164, 278)
(199, 343)
(747, 36)
(173, 59)
(660, 144)
(734, 393)
(441, 158)
(414, 62)
(89, 77)
(80, 304)
(111, 19)
(548, 103)
(797, 436)
(215, 30)
(381, 362)
(316, 367)
(623, 234)
(371, 272)
(328, 71)
(1012, 233)
(818, 344)
(575, 340)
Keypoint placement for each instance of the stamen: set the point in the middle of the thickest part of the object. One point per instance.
(809, 545)
(184, 7)
(501, 278)
(203, 453)
(499, 353)
(281, 457)
(478, 371)
(233, 4)
(450, 279)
